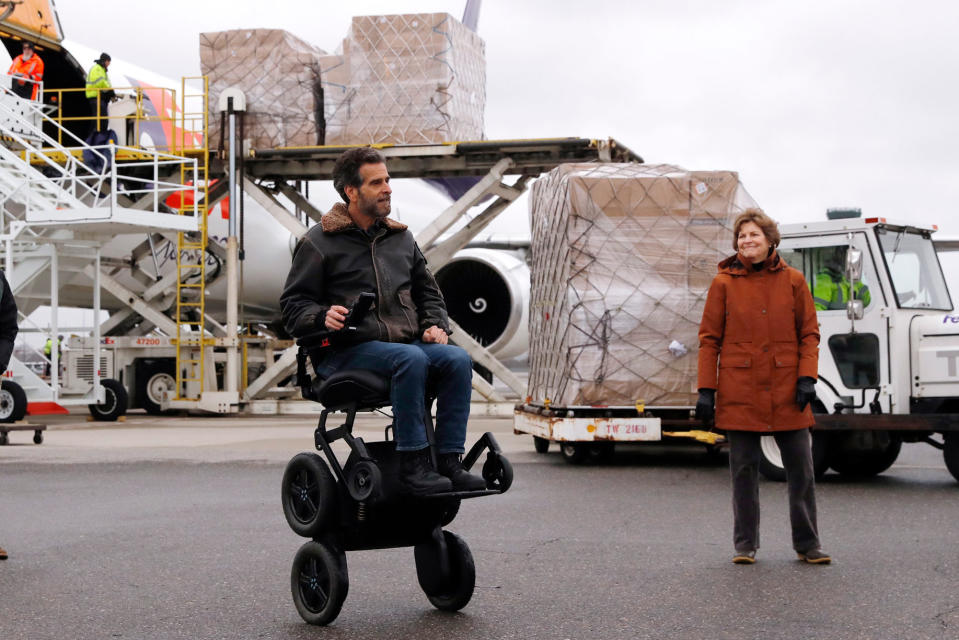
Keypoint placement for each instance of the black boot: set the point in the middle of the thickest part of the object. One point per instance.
(451, 466)
(417, 474)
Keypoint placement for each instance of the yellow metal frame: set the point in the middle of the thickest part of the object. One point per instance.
(191, 253)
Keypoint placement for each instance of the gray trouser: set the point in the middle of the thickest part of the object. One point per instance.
(744, 455)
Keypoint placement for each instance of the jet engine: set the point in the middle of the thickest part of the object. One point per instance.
(487, 294)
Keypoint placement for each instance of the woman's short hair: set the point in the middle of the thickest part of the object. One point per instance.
(346, 170)
(761, 220)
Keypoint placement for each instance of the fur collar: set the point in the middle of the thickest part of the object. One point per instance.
(338, 219)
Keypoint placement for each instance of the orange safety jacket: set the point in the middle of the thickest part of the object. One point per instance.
(32, 69)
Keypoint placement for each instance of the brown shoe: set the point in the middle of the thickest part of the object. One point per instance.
(3, 554)
(745, 557)
(814, 556)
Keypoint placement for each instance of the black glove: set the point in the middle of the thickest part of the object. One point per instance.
(706, 406)
(805, 391)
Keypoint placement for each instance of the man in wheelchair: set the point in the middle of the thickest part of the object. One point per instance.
(358, 249)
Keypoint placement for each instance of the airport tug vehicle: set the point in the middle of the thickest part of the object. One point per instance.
(360, 504)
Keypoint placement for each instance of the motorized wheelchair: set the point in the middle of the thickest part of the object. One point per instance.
(361, 504)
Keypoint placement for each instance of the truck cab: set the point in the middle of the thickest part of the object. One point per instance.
(889, 338)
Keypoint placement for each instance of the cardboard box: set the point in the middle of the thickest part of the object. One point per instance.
(280, 76)
(622, 258)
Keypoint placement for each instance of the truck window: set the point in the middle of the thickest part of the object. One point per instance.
(825, 273)
(914, 269)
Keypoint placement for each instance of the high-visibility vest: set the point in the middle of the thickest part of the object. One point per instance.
(97, 79)
(830, 294)
(32, 69)
(48, 346)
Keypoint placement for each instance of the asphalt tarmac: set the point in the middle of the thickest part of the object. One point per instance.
(172, 528)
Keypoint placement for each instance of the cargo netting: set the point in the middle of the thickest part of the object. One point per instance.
(622, 259)
(405, 79)
(279, 75)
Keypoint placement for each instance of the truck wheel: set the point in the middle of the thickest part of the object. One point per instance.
(849, 457)
(574, 452)
(114, 402)
(771, 460)
(540, 444)
(152, 382)
(13, 402)
(951, 454)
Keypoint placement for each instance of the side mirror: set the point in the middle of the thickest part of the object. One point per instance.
(854, 310)
(853, 264)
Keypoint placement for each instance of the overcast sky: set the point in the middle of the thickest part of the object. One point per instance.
(816, 104)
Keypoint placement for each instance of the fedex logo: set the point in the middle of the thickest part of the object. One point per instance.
(946, 319)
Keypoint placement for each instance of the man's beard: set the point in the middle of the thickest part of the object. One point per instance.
(376, 208)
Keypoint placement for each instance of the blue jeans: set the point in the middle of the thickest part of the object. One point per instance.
(408, 365)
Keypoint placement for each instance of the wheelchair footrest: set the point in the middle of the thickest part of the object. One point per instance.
(461, 495)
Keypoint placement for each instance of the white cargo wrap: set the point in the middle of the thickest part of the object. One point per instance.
(622, 258)
(279, 75)
(405, 79)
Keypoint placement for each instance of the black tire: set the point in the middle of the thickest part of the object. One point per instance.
(154, 378)
(854, 462)
(364, 480)
(574, 452)
(950, 453)
(771, 464)
(497, 472)
(449, 514)
(309, 495)
(13, 401)
(770, 460)
(37, 437)
(115, 402)
(540, 444)
(602, 452)
(455, 592)
(319, 582)
(821, 444)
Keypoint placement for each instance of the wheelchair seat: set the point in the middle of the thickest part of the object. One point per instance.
(366, 389)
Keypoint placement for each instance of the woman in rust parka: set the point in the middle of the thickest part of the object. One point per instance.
(758, 357)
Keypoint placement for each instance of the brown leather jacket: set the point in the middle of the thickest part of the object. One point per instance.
(760, 328)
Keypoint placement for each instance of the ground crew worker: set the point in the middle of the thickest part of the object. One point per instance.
(99, 91)
(27, 70)
(48, 349)
(831, 288)
(8, 333)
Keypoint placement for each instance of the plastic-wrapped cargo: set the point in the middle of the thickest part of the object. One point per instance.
(405, 79)
(279, 75)
(622, 258)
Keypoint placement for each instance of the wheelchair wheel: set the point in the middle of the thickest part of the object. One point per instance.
(498, 472)
(453, 591)
(363, 480)
(319, 582)
(309, 495)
